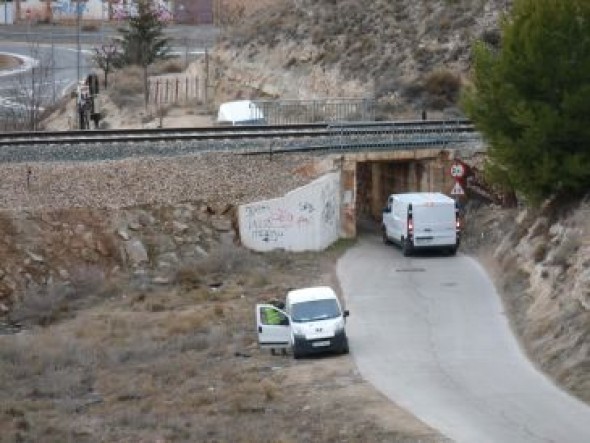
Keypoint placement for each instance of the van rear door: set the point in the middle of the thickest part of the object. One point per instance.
(434, 224)
(273, 326)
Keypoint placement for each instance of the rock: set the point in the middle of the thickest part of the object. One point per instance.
(221, 224)
(3, 308)
(200, 251)
(145, 219)
(168, 259)
(64, 274)
(191, 251)
(79, 229)
(183, 213)
(179, 228)
(36, 257)
(136, 252)
(102, 249)
(123, 234)
(134, 226)
(160, 280)
(2, 273)
(165, 243)
(88, 239)
(89, 255)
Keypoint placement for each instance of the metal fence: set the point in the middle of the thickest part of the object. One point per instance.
(285, 112)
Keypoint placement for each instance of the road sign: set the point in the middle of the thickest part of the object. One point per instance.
(457, 189)
(457, 170)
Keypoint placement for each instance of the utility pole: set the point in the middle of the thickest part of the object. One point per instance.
(78, 40)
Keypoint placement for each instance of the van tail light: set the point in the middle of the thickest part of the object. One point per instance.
(410, 227)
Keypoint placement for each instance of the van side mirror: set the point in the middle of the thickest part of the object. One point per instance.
(386, 210)
(346, 313)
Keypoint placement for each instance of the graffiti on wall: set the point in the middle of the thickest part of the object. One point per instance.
(271, 224)
(69, 7)
(307, 218)
(123, 9)
(330, 208)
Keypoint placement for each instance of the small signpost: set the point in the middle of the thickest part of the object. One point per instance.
(457, 189)
(457, 172)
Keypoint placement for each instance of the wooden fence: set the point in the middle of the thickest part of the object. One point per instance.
(175, 90)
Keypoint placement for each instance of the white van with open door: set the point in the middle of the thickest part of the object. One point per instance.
(313, 321)
(422, 220)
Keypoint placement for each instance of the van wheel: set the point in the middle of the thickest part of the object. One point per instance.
(297, 354)
(385, 238)
(345, 348)
(406, 247)
(453, 250)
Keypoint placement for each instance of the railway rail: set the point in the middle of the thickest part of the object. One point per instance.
(109, 144)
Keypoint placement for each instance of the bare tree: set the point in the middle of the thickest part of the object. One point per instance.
(30, 93)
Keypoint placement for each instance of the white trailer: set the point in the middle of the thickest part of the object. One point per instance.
(421, 220)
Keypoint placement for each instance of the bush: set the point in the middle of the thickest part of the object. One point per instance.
(169, 66)
(443, 87)
(126, 87)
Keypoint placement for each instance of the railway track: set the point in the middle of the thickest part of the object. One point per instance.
(234, 132)
(112, 144)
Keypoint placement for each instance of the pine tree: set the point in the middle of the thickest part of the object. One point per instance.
(143, 41)
(531, 98)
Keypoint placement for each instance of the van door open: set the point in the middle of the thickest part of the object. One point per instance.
(273, 326)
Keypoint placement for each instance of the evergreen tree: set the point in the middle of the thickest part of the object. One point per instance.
(143, 41)
(530, 98)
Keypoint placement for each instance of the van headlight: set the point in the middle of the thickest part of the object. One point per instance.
(297, 331)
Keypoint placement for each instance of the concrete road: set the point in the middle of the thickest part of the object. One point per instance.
(431, 334)
(58, 65)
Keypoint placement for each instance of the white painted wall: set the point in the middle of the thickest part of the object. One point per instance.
(89, 9)
(307, 218)
(6, 13)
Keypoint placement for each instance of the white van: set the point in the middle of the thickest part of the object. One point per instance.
(313, 321)
(421, 220)
(240, 113)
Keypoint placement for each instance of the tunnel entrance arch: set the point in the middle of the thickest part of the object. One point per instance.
(368, 178)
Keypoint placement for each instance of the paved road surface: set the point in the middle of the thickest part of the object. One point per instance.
(430, 333)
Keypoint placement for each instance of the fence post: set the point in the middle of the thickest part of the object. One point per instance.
(157, 94)
(176, 91)
(186, 89)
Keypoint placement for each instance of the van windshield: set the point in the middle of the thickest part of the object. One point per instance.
(314, 310)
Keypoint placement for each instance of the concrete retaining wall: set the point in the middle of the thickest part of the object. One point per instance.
(307, 218)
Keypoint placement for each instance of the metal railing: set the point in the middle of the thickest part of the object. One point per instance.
(288, 112)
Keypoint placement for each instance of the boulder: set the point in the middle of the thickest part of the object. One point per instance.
(221, 224)
(179, 228)
(136, 252)
(123, 234)
(37, 258)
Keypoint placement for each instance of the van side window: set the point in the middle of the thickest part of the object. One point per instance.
(390, 203)
(272, 316)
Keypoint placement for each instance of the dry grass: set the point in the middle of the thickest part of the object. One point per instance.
(126, 87)
(120, 370)
(170, 66)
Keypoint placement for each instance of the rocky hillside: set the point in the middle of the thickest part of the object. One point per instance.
(145, 218)
(410, 55)
(540, 260)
